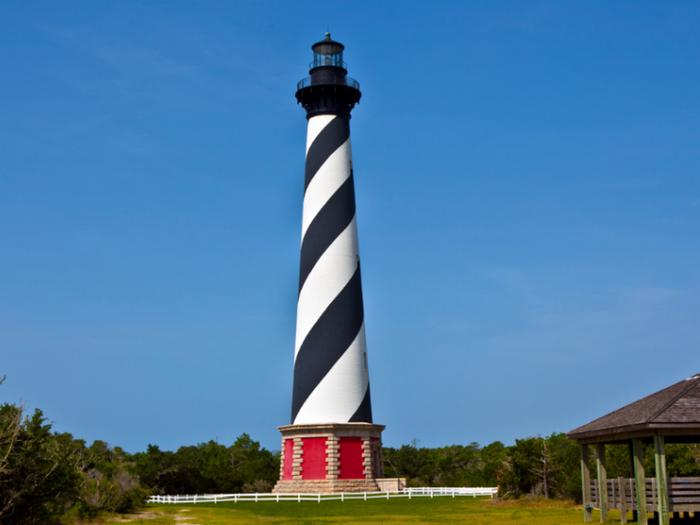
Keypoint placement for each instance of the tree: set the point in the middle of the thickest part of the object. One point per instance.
(494, 465)
(565, 471)
(108, 480)
(521, 477)
(256, 467)
(543, 468)
(39, 479)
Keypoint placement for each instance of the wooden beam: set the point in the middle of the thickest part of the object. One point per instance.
(586, 485)
(640, 481)
(661, 480)
(602, 482)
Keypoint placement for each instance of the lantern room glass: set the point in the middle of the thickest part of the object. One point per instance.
(328, 55)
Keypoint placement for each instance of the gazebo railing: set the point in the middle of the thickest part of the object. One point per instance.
(684, 494)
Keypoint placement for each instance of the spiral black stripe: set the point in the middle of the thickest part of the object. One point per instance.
(363, 414)
(334, 135)
(330, 222)
(328, 340)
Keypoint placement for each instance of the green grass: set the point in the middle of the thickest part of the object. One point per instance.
(445, 510)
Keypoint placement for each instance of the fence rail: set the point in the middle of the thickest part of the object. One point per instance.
(412, 492)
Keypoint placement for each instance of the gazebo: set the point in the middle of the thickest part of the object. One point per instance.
(671, 415)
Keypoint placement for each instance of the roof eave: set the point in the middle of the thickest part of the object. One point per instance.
(639, 431)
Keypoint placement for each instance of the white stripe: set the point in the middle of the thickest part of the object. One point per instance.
(329, 275)
(325, 183)
(340, 393)
(314, 127)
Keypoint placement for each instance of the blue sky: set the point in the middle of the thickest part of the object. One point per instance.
(528, 202)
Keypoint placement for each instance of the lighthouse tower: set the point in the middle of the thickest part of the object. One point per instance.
(331, 444)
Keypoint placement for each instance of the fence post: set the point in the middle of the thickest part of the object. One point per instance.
(365, 496)
(277, 497)
(298, 497)
(342, 496)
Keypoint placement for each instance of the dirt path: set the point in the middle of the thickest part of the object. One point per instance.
(138, 517)
(182, 517)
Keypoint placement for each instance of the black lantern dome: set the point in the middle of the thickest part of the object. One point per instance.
(328, 89)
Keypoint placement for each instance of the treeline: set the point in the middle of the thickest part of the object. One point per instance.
(46, 476)
(547, 467)
(209, 468)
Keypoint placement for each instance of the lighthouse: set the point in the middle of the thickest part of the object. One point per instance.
(331, 443)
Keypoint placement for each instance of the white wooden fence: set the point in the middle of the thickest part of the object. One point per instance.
(412, 492)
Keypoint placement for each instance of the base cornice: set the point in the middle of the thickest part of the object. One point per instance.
(325, 486)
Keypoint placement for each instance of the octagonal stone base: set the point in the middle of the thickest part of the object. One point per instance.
(330, 457)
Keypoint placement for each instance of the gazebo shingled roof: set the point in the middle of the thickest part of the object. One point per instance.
(674, 409)
(669, 415)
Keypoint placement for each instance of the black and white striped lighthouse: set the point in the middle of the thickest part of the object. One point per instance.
(331, 443)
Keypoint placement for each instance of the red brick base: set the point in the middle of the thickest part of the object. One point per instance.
(294, 477)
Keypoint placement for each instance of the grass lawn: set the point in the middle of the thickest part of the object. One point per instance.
(375, 512)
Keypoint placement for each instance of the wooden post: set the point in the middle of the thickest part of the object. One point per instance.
(586, 485)
(661, 480)
(622, 495)
(631, 488)
(640, 481)
(602, 482)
